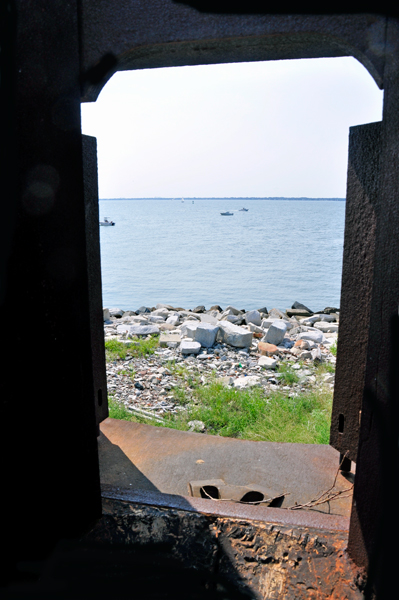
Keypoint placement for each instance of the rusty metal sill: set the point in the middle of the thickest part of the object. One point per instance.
(149, 465)
(280, 516)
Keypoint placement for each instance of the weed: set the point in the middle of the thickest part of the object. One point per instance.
(333, 348)
(115, 350)
(288, 376)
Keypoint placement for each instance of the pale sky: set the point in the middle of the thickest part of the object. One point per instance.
(260, 129)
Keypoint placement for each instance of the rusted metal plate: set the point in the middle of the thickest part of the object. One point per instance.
(357, 284)
(90, 180)
(143, 457)
(299, 518)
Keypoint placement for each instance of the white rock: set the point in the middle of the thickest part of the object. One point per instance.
(156, 319)
(326, 327)
(246, 382)
(314, 336)
(266, 361)
(275, 333)
(226, 381)
(328, 378)
(160, 312)
(187, 347)
(186, 314)
(232, 319)
(267, 322)
(253, 316)
(122, 329)
(255, 329)
(232, 311)
(316, 354)
(196, 425)
(140, 329)
(323, 317)
(173, 320)
(106, 314)
(209, 318)
(205, 334)
(188, 329)
(234, 335)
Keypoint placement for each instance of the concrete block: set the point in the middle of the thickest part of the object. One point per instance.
(187, 347)
(205, 334)
(234, 335)
(275, 333)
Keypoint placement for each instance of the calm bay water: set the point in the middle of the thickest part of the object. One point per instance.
(186, 254)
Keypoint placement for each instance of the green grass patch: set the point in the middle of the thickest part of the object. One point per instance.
(248, 414)
(333, 348)
(115, 350)
(117, 410)
(288, 375)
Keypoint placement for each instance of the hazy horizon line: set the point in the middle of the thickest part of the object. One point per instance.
(227, 198)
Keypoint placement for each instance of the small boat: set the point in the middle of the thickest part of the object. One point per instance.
(227, 214)
(246, 209)
(107, 222)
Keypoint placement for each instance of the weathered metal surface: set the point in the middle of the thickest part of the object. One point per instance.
(246, 494)
(57, 46)
(371, 542)
(92, 218)
(234, 556)
(357, 283)
(137, 34)
(49, 434)
(159, 459)
(297, 518)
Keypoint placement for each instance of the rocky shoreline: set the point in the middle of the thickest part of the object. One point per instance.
(242, 348)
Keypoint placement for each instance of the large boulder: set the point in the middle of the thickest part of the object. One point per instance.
(326, 327)
(325, 317)
(315, 335)
(205, 334)
(232, 311)
(168, 338)
(298, 305)
(234, 335)
(137, 329)
(189, 328)
(276, 332)
(156, 319)
(199, 309)
(275, 313)
(116, 312)
(253, 316)
(173, 320)
(236, 319)
(209, 318)
(142, 310)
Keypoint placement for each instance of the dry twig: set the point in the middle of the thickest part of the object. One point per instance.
(328, 495)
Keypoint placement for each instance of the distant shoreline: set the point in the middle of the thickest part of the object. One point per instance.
(235, 198)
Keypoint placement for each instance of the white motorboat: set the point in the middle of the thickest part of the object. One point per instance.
(227, 214)
(107, 222)
(245, 209)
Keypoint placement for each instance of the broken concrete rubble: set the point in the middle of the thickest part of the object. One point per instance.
(235, 357)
